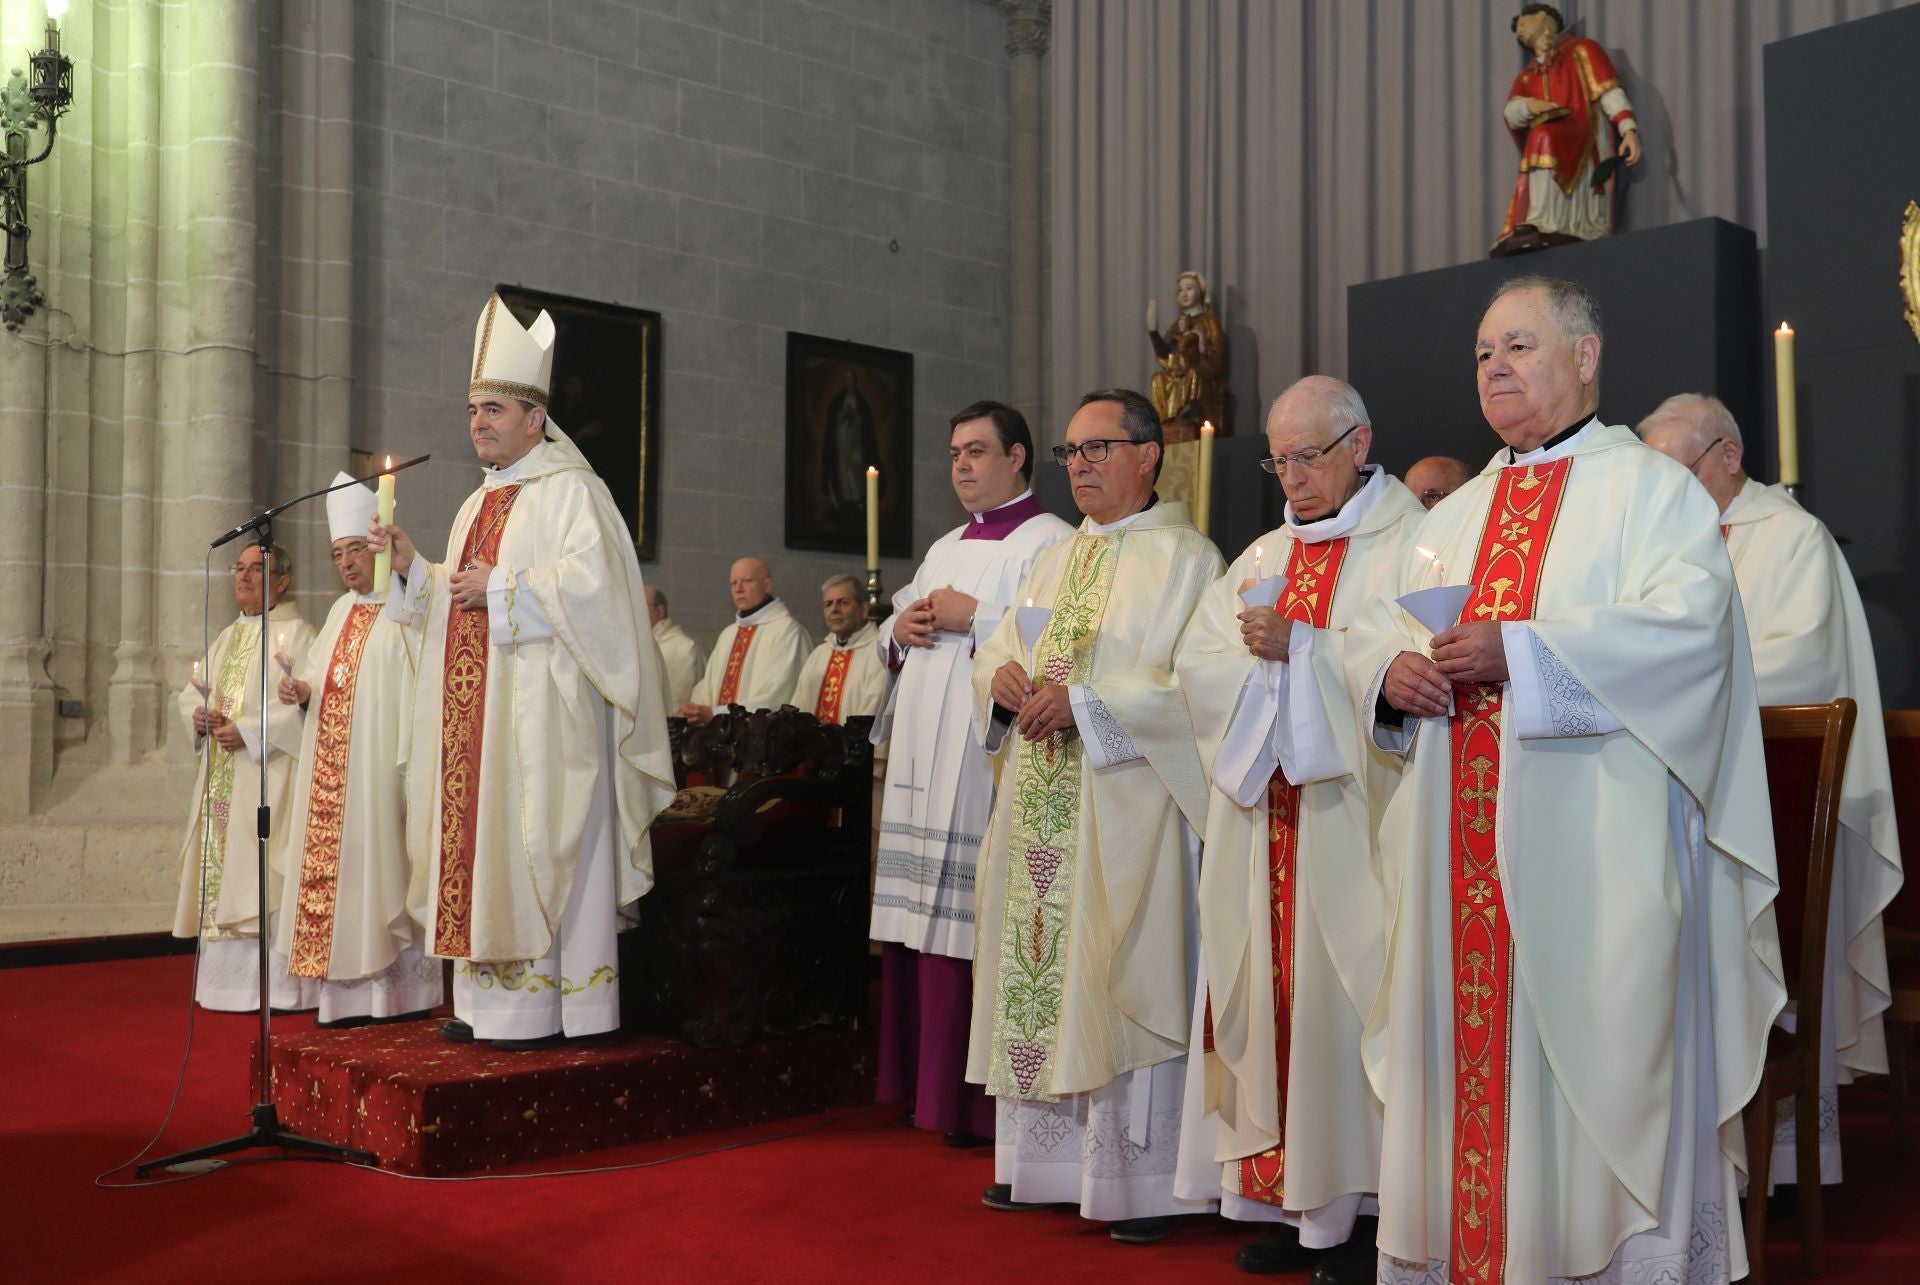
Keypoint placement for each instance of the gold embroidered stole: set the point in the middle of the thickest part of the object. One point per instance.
(228, 688)
(1313, 574)
(736, 661)
(463, 716)
(827, 708)
(1045, 841)
(1506, 580)
(327, 798)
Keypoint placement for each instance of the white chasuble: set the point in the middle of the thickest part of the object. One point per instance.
(938, 792)
(756, 662)
(842, 680)
(545, 736)
(1292, 907)
(220, 841)
(1811, 646)
(1084, 909)
(344, 913)
(680, 655)
(1583, 966)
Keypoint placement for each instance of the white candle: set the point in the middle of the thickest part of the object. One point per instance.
(1203, 481)
(1787, 415)
(383, 560)
(280, 652)
(1256, 564)
(199, 678)
(873, 518)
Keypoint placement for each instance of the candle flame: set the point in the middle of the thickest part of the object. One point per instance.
(1785, 329)
(1029, 602)
(1428, 554)
(1206, 427)
(389, 463)
(873, 470)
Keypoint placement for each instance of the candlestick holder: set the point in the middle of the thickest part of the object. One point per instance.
(879, 606)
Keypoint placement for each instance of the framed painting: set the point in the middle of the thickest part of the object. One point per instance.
(848, 406)
(605, 395)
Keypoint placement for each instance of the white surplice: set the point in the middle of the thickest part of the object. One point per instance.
(866, 680)
(938, 790)
(376, 965)
(1635, 856)
(1328, 1123)
(680, 655)
(775, 653)
(1107, 1103)
(219, 849)
(1811, 646)
(573, 762)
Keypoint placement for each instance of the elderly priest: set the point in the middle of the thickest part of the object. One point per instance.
(939, 783)
(1084, 983)
(1582, 967)
(843, 678)
(679, 653)
(343, 921)
(1810, 646)
(219, 899)
(758, 658)
(538, 753)
(1283, 1126)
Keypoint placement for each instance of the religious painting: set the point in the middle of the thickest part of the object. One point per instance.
(849, 406)
(605, 395)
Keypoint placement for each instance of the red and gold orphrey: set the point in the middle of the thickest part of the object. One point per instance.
(827, 708)
(463, 716)
(1506, 580)
(736, 661)
(327, 798)
(1313, 573)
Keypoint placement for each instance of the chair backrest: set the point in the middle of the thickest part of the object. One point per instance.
(1903, 757)
(1806, 749)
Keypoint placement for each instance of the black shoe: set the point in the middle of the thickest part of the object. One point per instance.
(418, 1015)
(1000, 1196)
(1142, 1231)
(288, 1012)
(1278, 1251)
(455, 1031)
(344, 1023)
(552, 1041)
(1357, 1262)
(958, 1139)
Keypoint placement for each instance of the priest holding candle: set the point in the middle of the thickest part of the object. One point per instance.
(537, 756)
(219, 886)
(343, 921)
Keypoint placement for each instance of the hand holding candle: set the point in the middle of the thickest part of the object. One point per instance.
(1786, 411)
(873, 518)
(383, 513)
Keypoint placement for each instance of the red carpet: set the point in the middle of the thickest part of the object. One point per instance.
(88, 1055)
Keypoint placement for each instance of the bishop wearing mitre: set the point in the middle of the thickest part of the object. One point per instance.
(537, 756)
(343, 920)
(219, 898)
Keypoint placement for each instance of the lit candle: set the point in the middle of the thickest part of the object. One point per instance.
(1256, 564)
(280, 652)
(1785, 409)
(873, 518)
(383, 560)
(199, 678)
(1203, 481)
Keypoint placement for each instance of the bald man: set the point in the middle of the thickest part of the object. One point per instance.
(758, 658)
(1436, 477)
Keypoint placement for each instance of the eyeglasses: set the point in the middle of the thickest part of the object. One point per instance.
(1093, 450)
(1432, 496)
(1307, 459)
(352, 549)
(246, 571)
(1703, 454)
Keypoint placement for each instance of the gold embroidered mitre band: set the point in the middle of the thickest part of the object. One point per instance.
(511, 360)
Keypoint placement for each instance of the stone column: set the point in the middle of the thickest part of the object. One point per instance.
(1029, 26)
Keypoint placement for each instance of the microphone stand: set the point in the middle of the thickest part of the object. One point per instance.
(267, 1131)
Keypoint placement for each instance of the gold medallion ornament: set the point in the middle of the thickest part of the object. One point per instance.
(1910, 266)
(1045, 843)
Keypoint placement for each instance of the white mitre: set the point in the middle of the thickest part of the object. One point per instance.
(349, 510)
(511, 360)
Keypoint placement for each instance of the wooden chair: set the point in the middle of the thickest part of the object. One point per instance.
(1902, 918)
(1806, 749)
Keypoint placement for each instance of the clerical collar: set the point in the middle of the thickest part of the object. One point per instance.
(851, 640)
(1739, 500)
(753, 614)
(999, 523)
(1345, 518)
(1561, 443)
(505, 476)
(1105, 528)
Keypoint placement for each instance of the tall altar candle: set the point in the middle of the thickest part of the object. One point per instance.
(873, 518)
(383, 513)
(1787, 412)
(1203, 481)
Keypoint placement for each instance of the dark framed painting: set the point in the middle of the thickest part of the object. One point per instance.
(848, 406)
(605, 395)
